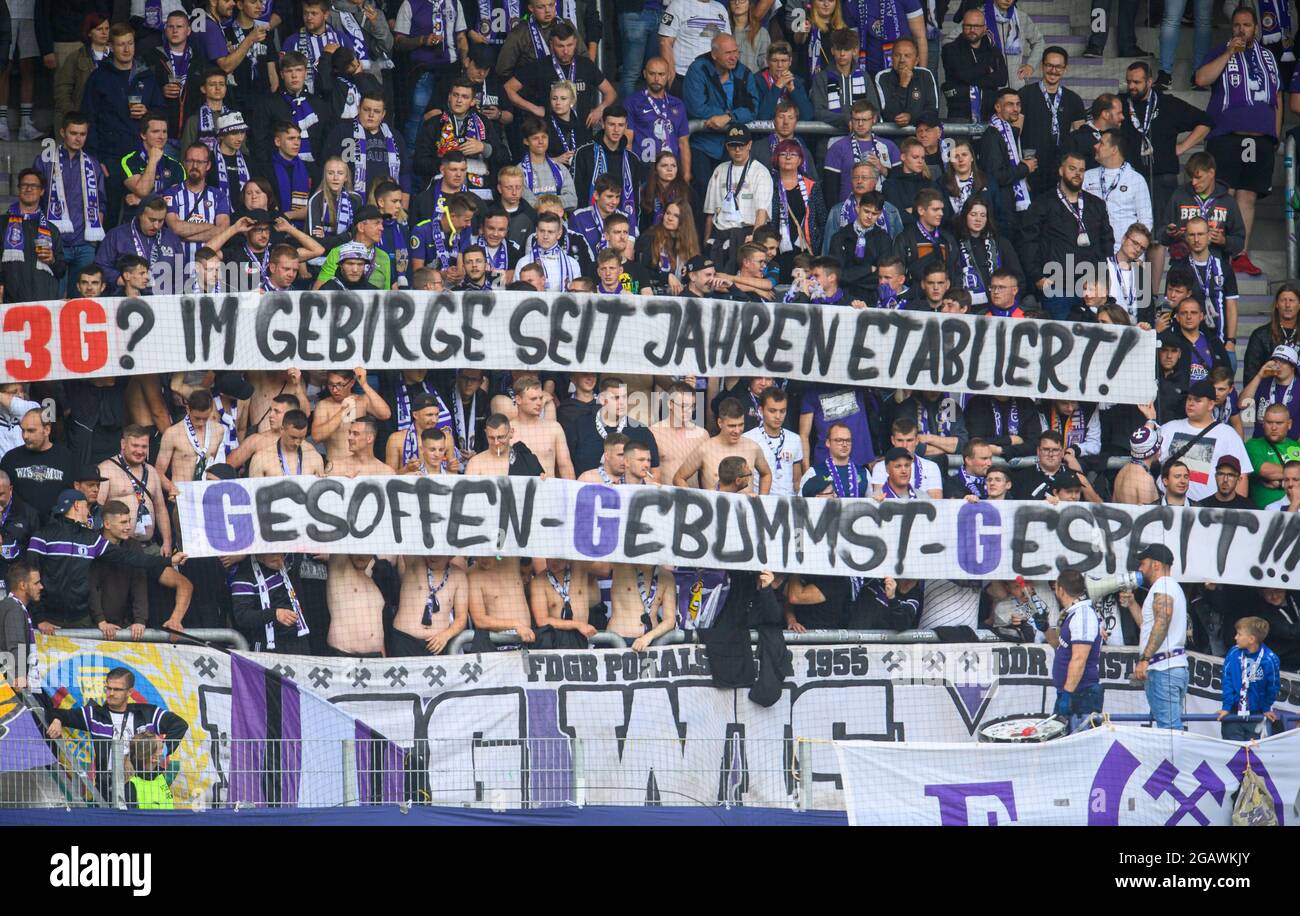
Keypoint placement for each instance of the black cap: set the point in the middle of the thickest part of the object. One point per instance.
(233, 385)
(367, 212)
(737, 134)
(423, 400)
(896, 453)
(1066, 479)
(1158, 552)
(1169, 342)
(88, 472)
(928, 119)
(221, 471)
(260, 217)
(1202, 389)
(699, 262)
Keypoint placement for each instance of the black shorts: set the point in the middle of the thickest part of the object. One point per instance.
(404, 645)
(1244, 163)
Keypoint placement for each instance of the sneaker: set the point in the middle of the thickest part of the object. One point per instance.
(1135, 51)
(1163, 81)
(29, 131)
(1242, 264)
(1092, 52)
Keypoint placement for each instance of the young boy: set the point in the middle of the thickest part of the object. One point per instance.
(1227, 404)
(1251, 680)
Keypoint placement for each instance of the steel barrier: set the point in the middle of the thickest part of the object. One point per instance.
(676, 637)
(1289, 207)
(231, 638)
(822, 129)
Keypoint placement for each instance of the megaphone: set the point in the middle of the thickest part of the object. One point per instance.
(1101, 586)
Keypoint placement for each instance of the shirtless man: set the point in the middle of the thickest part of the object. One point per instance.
(129, 477)
(734, 475)
(356, 606)
(290, 455)
(508, 404)
(677, 435)
(559, 597)
(334, 414)
(496, 600)
(613, 465)
(360, 460)
(264, 438)
(496, 458)
(269, 385)
(730, 440)
(433, 609)
(1134, 484)
(188, 447)
(402, 451)
(543, 436)
(435, 445)
(643, 602)
(636, 465)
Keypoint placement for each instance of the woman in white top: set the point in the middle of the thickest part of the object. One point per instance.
(331, 209)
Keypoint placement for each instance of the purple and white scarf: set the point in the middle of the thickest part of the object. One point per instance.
(56, 205)
(13, 248)
(995, 17)
(627, 198)
(487, 25)
(1008, 134)
(1274, 20)
(223, 173)
(1260, 75)
(527, 166)
(359, 167)
(305, 117)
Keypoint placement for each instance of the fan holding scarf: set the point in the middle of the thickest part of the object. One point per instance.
(32, 264)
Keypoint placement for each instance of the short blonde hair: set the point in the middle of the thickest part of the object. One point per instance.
(1253, 626)
(550, 203)
(564, 86)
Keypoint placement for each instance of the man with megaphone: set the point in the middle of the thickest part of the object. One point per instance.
(1077, 640)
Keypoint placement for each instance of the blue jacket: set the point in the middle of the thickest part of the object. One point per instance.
(705, 98)
(1264, 684)
(772, 94)
(113, 133)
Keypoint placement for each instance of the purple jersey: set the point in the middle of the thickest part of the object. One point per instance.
(846, 152)
(657, 124)
(1079, 626)
(1244, 97)
(1270, 393)
(838, 404)
(209, 37)
(879, 23)
(701, 593)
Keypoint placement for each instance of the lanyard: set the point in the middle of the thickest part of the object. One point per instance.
(735, 196)
(1076, 213)
(566, 612)
(284, 465)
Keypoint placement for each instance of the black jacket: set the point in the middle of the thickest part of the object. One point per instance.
(991, 421)
(731, 658)
(1218, 353)
(97, 719)
(16, 529)
(25, 280)
(984, 67)
(1037, 132)
(65, 550)
(1002, 176)
(858, 279)
(1260, 348)
(1050, 234)
(901, 189)
(911, 243)
(267, 109)
(584, 168)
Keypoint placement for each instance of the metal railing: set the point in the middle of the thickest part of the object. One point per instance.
(221, 637)
(822, 129)
(1288, 207)
(482, 771)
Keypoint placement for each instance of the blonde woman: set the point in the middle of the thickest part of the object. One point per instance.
(331, 209)
(813, 42)
(751, 38)
(565, 129)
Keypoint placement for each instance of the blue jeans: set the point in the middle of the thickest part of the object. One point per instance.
(639, 33)
(1087, 703)
(1166, 691)
(76, 257)
(1057, 307)
(421, 92)
(1172, 25)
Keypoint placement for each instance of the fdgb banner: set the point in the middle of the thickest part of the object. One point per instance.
(915, 539)
(581, 332)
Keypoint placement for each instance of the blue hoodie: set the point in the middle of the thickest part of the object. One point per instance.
(1265, 682)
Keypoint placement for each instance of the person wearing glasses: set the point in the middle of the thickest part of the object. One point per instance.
(334, 415)
(33, 265)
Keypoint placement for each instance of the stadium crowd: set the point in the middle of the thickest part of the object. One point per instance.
(456, 145)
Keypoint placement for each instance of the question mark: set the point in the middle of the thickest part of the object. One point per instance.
(124, 312)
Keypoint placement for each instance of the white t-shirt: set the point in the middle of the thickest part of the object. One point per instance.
(931, 476)
(1176, 637)
(1202, 458)
(950, 603)
(555, 274)
(782, 454)
(692, 25)
(747, 197)
(1125, 192)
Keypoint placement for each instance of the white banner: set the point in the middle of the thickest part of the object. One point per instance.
(1109, 776)
(471, 714)
(915, 539)
(577, 332)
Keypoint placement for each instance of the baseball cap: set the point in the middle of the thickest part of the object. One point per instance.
(1287, 354)
(896, 453)
(1144, 442)
(1065, 479)
(1169, 342)
(1230, 461)
(815, 485)
(699, 262)
(67, 499)
(87, 472)
(221, 471)
(231, 122)
(1202, 389)
(737, 134)
(233, 385)
(788, 146)
(260, 217)
(928, 119)
(367, 212)
(422, 401)
(1158, 552)
(353, 251)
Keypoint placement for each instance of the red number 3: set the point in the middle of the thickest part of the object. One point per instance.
(37, 347)
(81, 350)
